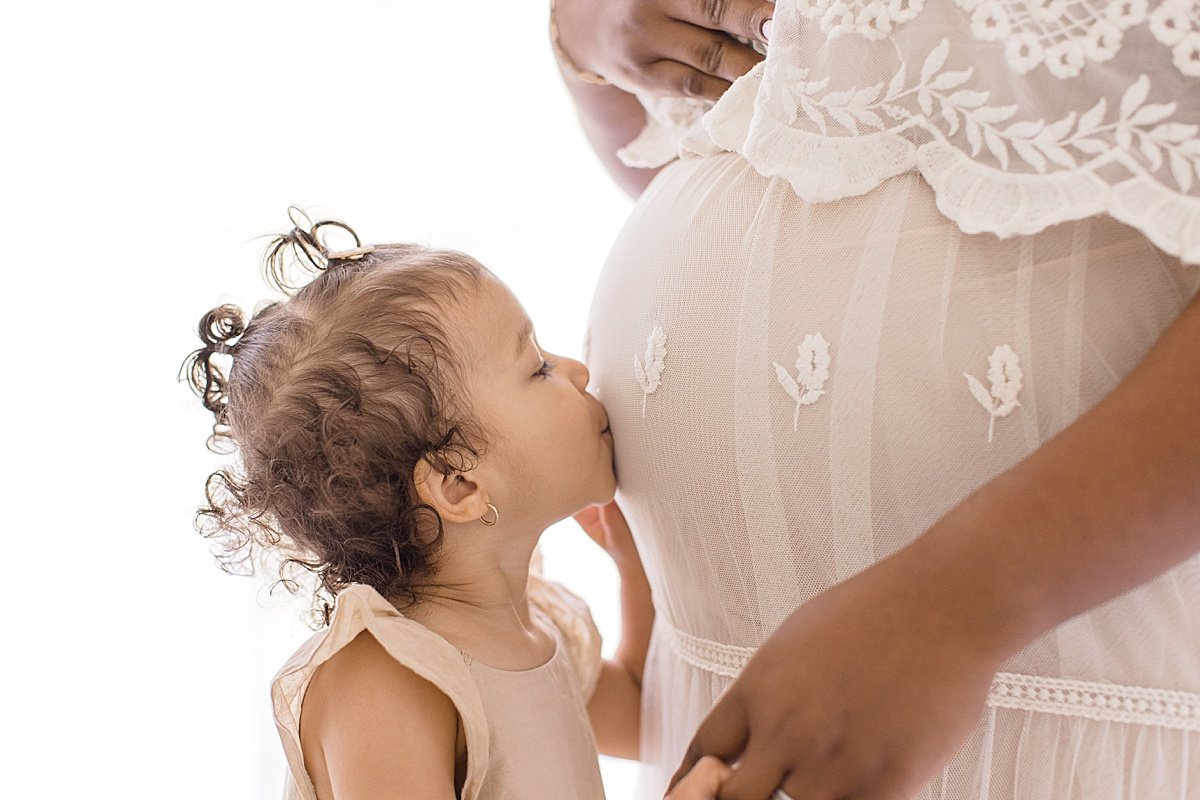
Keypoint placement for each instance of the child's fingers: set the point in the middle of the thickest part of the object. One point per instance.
(588, 518)
(613, 518)
(702, 782)
(592, 522)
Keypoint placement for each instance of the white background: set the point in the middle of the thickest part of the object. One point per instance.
(143, 146)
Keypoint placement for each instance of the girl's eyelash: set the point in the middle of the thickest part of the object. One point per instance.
(546, 368)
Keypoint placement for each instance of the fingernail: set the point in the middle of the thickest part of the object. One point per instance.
(766, 30)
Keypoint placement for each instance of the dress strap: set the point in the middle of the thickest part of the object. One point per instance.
(1107, 702)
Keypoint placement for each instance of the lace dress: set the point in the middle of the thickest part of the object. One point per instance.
(835, 317)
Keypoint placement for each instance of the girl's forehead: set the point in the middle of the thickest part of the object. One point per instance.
(495, 323)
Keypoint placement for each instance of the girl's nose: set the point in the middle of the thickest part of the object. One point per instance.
(579, 374)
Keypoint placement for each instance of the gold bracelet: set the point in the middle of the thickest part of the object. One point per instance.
(564, 59)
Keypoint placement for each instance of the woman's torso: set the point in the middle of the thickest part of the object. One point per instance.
(748, 496)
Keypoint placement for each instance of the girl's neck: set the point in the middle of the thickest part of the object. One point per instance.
(482, 584)
(481, 606)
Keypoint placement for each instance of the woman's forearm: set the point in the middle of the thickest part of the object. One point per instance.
(611, 119)
(1106, 505)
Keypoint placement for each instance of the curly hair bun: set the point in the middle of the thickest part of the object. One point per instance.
(219, 329)
(295, 257)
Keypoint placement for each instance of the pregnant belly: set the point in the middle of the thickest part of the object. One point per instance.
(788, 383)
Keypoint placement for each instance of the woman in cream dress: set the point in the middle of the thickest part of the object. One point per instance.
(905, 251)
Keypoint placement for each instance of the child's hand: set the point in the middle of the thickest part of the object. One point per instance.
(607, 527)
(702, 782)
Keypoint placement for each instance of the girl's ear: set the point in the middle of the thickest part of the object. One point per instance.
(455, 497)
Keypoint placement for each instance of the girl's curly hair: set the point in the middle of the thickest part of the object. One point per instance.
(330, 398)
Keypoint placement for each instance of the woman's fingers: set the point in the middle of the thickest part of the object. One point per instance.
(743, 18)
(676, 78)
(713, 54)
(722, 734)
(702, 782)
(666, 47)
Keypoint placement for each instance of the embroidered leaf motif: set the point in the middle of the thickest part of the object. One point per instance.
(1004, 372)
(1094, 116)
(1134, 96)
(935, 60)
(787, 382)
(648, 369)
(945, 99)
(981, 394)
(812, 370)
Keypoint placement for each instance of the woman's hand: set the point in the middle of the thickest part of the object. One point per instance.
(865, 691)
(665, 47)
(606, 526)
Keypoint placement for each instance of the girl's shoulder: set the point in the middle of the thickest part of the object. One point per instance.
(370, 641)
(572, 618)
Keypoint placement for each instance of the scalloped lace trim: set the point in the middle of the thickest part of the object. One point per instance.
(1102, 702)
(1066, 157)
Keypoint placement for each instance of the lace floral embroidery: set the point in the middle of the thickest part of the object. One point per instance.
(1075, 152)
(1176, 23)
(812, 370)
(1066, 34)
(1004, 371)
(873, 19)
(1062, 34)
(943, 99)
(648, 368)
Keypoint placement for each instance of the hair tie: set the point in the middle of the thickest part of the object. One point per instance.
(350, 255)
(304, 249)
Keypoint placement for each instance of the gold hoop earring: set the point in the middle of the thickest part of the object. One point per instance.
(494, 519)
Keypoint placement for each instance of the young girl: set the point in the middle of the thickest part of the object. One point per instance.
(404, 438)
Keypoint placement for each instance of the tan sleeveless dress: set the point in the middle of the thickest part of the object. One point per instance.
(527, 732)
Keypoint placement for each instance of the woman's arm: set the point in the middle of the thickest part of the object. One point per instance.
(615, 705)
(1108, 504)
(611, 119)
(372, 729)
(868, 689)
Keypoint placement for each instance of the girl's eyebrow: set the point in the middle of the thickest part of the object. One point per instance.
(523, 339)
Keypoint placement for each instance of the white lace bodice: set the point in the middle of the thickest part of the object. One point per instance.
(1020, 114)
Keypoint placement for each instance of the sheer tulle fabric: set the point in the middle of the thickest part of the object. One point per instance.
(746, 502)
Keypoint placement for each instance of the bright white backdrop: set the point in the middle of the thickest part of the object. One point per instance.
(143, 146)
